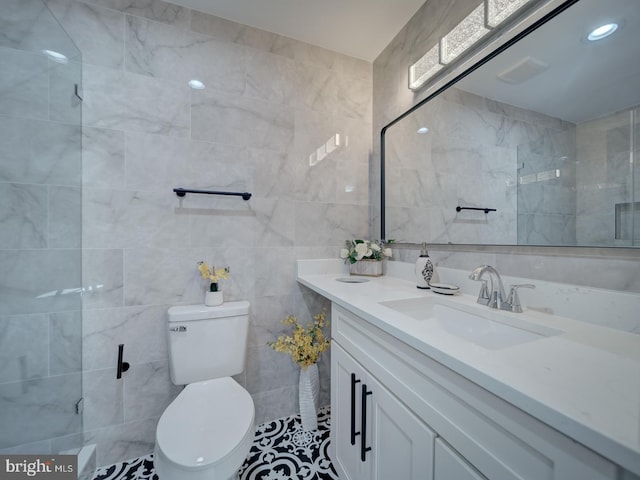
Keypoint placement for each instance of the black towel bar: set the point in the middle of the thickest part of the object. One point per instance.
(181, 192)
(485, 210)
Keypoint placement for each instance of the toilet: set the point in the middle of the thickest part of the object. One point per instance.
(207, 431)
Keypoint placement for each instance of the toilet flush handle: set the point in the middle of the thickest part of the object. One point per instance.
(178, 329)
(122, 365)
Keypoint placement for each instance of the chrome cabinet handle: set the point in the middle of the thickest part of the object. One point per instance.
(178, 329)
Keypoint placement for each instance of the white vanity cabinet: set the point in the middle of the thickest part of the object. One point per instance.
(397, 413)
(376, 435)
(448, 464)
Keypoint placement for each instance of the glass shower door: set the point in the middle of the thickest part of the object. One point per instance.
(546, 193)
(40, 233)
(627, 208)
(635, 176)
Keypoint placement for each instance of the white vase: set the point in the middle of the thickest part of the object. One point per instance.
(213, 299)
(308, 393)
(368, 267)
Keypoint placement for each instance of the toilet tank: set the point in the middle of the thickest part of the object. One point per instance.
(207, 342)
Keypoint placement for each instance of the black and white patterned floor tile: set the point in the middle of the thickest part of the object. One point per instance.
(137, 469)
(281, 450)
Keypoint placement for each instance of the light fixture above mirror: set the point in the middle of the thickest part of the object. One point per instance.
(470, 30)
(486, 16)
(426, 67)
(499, 10)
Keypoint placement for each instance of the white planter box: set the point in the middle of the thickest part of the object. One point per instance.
(369, 268)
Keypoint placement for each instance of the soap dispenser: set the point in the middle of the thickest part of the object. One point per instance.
(424, 269)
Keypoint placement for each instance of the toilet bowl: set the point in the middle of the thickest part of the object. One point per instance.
(206, 432)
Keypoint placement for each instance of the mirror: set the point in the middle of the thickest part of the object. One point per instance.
(537, 146)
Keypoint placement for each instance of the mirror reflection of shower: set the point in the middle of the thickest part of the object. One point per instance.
(627, 214)
(591, 200)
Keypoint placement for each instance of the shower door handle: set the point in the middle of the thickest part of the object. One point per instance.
(77, 91)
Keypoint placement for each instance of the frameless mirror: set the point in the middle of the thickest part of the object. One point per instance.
(538, 146)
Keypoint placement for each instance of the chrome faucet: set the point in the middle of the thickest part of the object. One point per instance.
(495, 297)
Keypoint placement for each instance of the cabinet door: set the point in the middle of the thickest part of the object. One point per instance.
(373, 434)
(347, 378)
(450, 465)
(401, 444)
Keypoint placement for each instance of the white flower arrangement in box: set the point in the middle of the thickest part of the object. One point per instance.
(364, 250)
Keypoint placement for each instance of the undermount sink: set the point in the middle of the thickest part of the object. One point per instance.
(473, 326)
(352, 279)
(482, 331)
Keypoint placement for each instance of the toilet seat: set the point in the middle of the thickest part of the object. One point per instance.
(209, 425)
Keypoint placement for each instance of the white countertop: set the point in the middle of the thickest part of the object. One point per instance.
(584, 382)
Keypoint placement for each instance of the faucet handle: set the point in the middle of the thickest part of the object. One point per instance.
(513, 302)
(483, 295)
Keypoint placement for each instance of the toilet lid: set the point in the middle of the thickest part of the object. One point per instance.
(205, 423)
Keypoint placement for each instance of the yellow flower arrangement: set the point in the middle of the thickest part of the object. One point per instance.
(213, 274)
(304, 345)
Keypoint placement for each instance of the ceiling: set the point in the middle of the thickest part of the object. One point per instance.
(358, 28)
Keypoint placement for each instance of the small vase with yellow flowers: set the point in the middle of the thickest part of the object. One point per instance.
(214, 296)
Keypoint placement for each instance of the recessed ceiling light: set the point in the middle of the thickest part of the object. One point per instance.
(56, 56)
(602, 31)
(423, 130)
(196, 84)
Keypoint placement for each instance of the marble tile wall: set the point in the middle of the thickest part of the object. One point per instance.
(40, 255)
(270, 103)
(602, 267)
(27, 26)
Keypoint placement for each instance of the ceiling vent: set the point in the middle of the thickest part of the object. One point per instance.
(522, 71)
